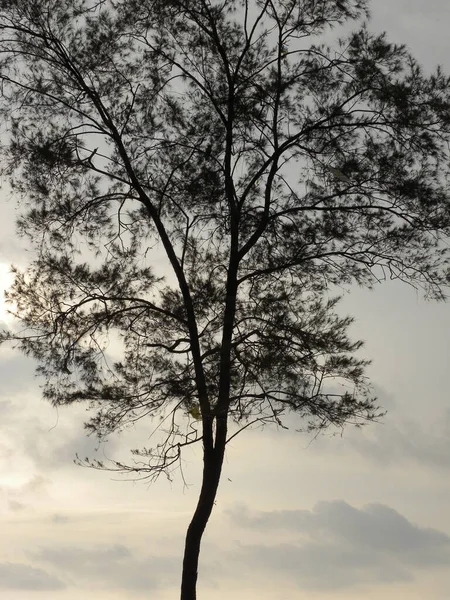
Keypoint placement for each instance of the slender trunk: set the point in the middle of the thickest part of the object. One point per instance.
(212, 466)
(213, 454)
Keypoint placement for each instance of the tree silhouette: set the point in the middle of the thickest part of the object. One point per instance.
(266, 167)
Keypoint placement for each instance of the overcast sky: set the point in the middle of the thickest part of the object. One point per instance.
(362, 515)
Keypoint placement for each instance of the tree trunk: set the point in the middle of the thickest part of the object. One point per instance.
(212, 466)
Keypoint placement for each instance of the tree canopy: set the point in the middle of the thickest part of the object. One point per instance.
(263, 166)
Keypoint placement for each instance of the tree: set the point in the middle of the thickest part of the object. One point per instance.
(266, 167)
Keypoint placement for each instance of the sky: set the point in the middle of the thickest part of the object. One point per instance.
(363, 513)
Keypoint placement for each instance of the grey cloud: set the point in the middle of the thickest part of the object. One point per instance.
(5, 450)
(395, 440)
(35, 484)
(16, 506)
(406, 440)
(16, 374)
(57, 446)
(59, 519)
(18, 576)
(49, 437)
(321, 567)
(111, 567)
(84, 558)
(416, 24)
(375, 526)
(337, 545)
(15, 496)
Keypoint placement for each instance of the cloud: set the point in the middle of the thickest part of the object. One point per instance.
(33, 430)
(16, 506)
(338, 546)
(56, 446)
(17, 576)
(415, 24)
(405, 440)
(396, 440)
(111, 566)
(59, 519)
(17, 373)
(18, 497)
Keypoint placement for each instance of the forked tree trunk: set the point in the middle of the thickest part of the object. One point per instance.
(212, 467)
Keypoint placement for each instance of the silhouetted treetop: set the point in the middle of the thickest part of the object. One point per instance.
(263, 166)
